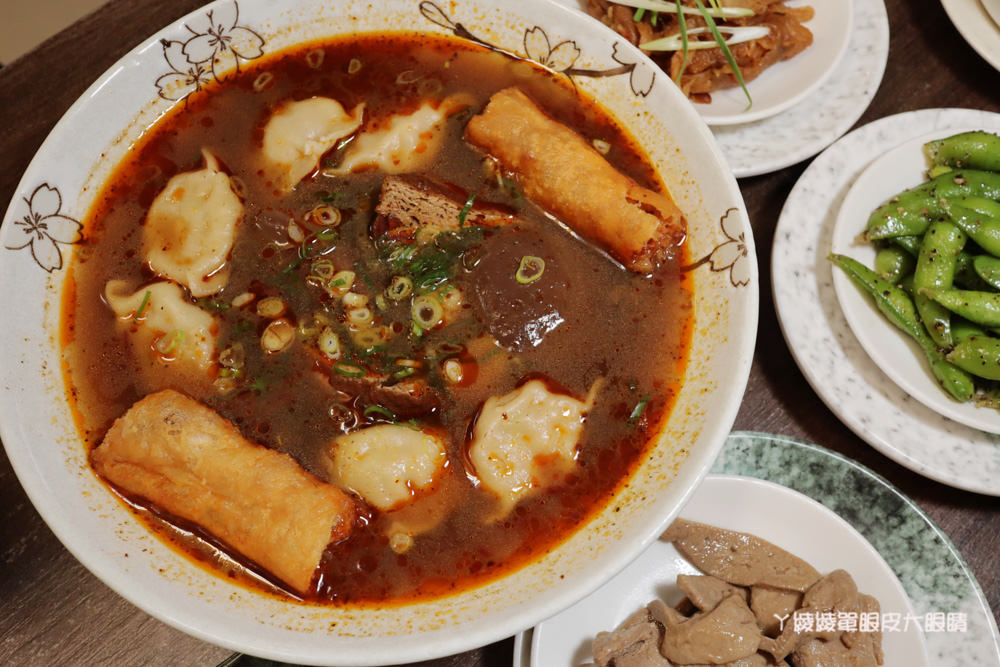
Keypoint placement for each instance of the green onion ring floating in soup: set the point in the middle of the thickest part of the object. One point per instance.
(360, 337)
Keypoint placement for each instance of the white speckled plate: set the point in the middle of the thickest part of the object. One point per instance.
(912, 568)
(818, 120)
(824, 347)
(893, 351)
(976, 27)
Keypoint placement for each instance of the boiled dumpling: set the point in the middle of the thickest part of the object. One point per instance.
(190, 229)
(526, 440)
(407, 144)
(387, 464)
(164, 324)
(299, 133)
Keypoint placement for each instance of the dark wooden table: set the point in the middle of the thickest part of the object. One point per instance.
(54, 612)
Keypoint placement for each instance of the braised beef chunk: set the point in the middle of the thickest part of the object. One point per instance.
(404, 398)
(414, 209)
(520, 314)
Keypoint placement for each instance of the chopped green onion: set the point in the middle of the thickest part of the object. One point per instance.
(399, 288)
(331, 197)
(406, 372)
(142, 306)
(639, 13)
(716, 11)
(530, 269)
(737, 35)
(426, 311)
(329, 343)
(174, 339)
(637, 411)
(379, 410)
(725, 50)
(348, 370)
(465, 209)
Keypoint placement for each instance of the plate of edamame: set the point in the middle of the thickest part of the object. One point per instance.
(903, 254)
(833, 360)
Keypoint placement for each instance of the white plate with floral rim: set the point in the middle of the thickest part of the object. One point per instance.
(912, 565)
(894, 352)
(820, 339)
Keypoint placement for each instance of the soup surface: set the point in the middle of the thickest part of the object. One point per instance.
(329, 322)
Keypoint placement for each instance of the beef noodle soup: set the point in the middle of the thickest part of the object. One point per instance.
(377, 319)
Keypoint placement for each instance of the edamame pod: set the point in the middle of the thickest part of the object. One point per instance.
(893, 263)
(982, 308)
(910, 244)
(962, 328)
(910, 212)
(936, 269)
(965, 273)
(898, 308)
(987, 268)
(983, 229)
(978, 355)
(975, 150)
(981, 205)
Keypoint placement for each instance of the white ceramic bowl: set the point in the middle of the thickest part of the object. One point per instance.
(45, 448)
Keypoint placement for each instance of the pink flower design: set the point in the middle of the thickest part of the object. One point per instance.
(44, 227)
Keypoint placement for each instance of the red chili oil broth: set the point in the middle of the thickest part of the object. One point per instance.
(630, 332)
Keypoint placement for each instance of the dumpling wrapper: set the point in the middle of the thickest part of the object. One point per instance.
(299, 133)
(407, 144)
(173, 451)
(170, 330)
(191, 227)
(526, 440)
(386, 464)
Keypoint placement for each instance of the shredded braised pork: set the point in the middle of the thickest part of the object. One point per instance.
(706, 69)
